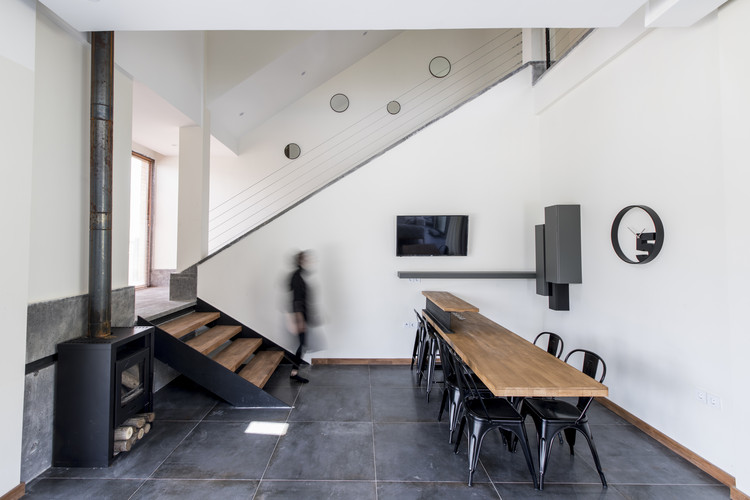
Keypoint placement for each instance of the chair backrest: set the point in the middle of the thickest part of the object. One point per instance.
(420, 321)
(446, 355)
(555, 343)
(590, 366)
(466, 382)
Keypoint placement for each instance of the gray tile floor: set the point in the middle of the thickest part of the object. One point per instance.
(359, 432)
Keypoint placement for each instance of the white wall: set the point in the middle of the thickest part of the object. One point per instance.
(166, 177)
(734, 38)
(490, 174)
(59, 238)
(192, 199)
(16, 137)
(122, 129)
(647, 128)
(60, 193)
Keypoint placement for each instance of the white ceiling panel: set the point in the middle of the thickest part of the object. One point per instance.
(140, 15)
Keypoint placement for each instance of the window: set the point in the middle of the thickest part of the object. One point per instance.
(141, 171)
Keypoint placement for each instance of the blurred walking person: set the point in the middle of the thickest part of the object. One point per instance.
(301, 309)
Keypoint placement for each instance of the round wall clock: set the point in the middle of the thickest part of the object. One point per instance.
(637, 234)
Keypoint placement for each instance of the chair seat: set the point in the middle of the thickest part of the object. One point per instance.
(553, 410)
(497, 409)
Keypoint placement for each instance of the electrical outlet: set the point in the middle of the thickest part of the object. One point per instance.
(714, 401)
(702, 396)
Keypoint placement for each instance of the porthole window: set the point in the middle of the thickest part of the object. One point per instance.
(440, 67)
(339, 103)
(292, 151)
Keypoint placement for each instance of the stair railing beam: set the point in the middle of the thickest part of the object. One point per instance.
(100, 215)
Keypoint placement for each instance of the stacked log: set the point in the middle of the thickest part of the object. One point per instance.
(131, 431)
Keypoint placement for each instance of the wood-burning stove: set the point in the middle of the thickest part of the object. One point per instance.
(100, 382)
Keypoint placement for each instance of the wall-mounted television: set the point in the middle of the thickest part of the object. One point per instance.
(419, 235)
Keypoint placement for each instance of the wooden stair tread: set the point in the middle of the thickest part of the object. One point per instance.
(213, 338)
(233, 356)
(189, 323)
(261, 367)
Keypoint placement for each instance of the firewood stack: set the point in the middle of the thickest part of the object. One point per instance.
(131, 431)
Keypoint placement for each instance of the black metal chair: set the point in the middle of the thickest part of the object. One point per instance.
(552, 416)
(422, 348)
(451, 392)
(555, 346)
(432, 354)
(418, 339)
(555, 343)
(484, 414)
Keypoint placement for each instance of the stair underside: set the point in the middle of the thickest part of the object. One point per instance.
(261, 367)
(210, 340)
(212, 356)
(183, 325)
(240, 349)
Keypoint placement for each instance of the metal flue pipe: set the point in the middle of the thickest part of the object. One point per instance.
(100, 220)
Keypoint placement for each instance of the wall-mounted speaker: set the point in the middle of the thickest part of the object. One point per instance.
(558, 254)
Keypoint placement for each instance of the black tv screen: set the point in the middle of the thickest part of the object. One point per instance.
(431, 235)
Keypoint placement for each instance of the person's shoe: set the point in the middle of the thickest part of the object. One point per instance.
(299, 379)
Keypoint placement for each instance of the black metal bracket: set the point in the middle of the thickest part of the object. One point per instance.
(206, 372)
(493, 275)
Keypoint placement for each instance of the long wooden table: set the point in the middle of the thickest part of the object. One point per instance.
(508, 364)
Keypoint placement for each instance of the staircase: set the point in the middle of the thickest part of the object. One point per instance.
(217, 352)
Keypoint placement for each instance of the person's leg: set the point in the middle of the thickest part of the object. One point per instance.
(295, 370)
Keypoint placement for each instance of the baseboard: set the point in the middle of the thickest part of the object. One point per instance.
(15, 493)
(703, 464)
(360, 361)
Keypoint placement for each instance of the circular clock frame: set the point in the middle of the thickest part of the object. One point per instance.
(658, 229)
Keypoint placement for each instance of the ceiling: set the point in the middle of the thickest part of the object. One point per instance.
(319, 15)
(264, 55)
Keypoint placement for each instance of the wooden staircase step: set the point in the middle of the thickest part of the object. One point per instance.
(213, 338)
(183, 325)
(261, 367)
(233, 356)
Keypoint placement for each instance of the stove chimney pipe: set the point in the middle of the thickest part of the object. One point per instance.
(100, 220)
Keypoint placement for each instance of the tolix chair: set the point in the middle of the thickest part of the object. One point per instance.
(480, 414)
(552, 416)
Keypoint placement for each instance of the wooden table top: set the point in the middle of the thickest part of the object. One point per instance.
(449, 302)
(512, 366)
